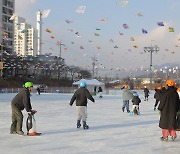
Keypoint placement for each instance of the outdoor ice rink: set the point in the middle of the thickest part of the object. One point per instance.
(111, 131)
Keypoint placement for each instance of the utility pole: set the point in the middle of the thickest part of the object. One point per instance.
(1, 63)
(94, 59)
(151, 49)
(60, 53)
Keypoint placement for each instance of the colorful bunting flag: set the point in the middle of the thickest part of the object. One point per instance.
(139, 14)
(81, 9)
(171, 29)
(160, 23)
(13, 17)
(48, 30)
(123, 3)
(144, 31)
(132, 39)
(81, 47)
(103, 20)
(45, 13)
(125, 26)
(58, 43)
(96, 34)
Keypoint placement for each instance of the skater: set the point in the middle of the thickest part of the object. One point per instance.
(38, 90)
(146, 93)
(95, 90)
(157, 96)
(100, 92)
(19, 102)
(81, 96)
(135, 108)
(126, 95)
(168, 107)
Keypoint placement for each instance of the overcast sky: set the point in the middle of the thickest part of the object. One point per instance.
(114, 52)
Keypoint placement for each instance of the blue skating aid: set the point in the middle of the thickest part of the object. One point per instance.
(131, 114)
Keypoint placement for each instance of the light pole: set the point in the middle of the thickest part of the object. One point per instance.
(60, 49)
(1, 62)
(94, 59)
(151, 49)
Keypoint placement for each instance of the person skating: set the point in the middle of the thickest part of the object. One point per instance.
(38, 90)
(157, 96)
(168, 108)
(146, 93)
(100, 92)
(126, 96)
(19, 102)
(95, 90)
(136, 101)
(81, 96)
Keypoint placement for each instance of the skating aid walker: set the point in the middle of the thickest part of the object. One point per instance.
(31, 125)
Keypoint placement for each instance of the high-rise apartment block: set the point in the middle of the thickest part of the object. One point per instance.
(6, 25)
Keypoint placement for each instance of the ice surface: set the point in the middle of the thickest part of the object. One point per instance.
(111, 131)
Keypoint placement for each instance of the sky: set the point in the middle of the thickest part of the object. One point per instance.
(111, 131)
(114, 53)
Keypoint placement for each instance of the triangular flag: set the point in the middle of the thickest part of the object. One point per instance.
(45, 13)
(13, 17)
(96, 34)
(160, 23)
(171, 29)
(80, 9)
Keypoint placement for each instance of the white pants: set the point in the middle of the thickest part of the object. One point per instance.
(135, 106)
(81, 113)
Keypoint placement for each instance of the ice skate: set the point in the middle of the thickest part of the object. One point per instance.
(20, 132)
(85, 126)
(164, 139)
(173, 138)
(78, 124)
(123, 109)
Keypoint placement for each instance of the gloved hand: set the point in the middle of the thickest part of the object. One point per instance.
(32, 112)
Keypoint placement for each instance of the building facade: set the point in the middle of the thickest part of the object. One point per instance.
(25, 38)
(6, 25)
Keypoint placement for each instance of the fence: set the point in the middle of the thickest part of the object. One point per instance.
(58, 90)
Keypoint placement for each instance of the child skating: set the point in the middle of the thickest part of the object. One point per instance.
(81, 96)
(136, 101)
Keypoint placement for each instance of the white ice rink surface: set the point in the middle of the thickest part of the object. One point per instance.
(111, 131)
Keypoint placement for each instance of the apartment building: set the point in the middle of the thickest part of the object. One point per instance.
(25, 38)
(6, 25)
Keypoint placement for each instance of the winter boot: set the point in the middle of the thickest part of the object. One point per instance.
(85, 126)
(20, 132)
(128, 111)
(164, 138)
(78, 124)
(123, 109)
(154, 108)
(173, 138)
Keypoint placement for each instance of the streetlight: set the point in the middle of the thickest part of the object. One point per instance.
(60, 48)
(151, 49)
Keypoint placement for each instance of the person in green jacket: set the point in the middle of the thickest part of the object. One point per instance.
(19, 102)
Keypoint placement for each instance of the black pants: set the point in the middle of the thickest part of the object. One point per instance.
(156, 103)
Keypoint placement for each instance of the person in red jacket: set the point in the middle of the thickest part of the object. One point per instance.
(81, 96)
(169, 105)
